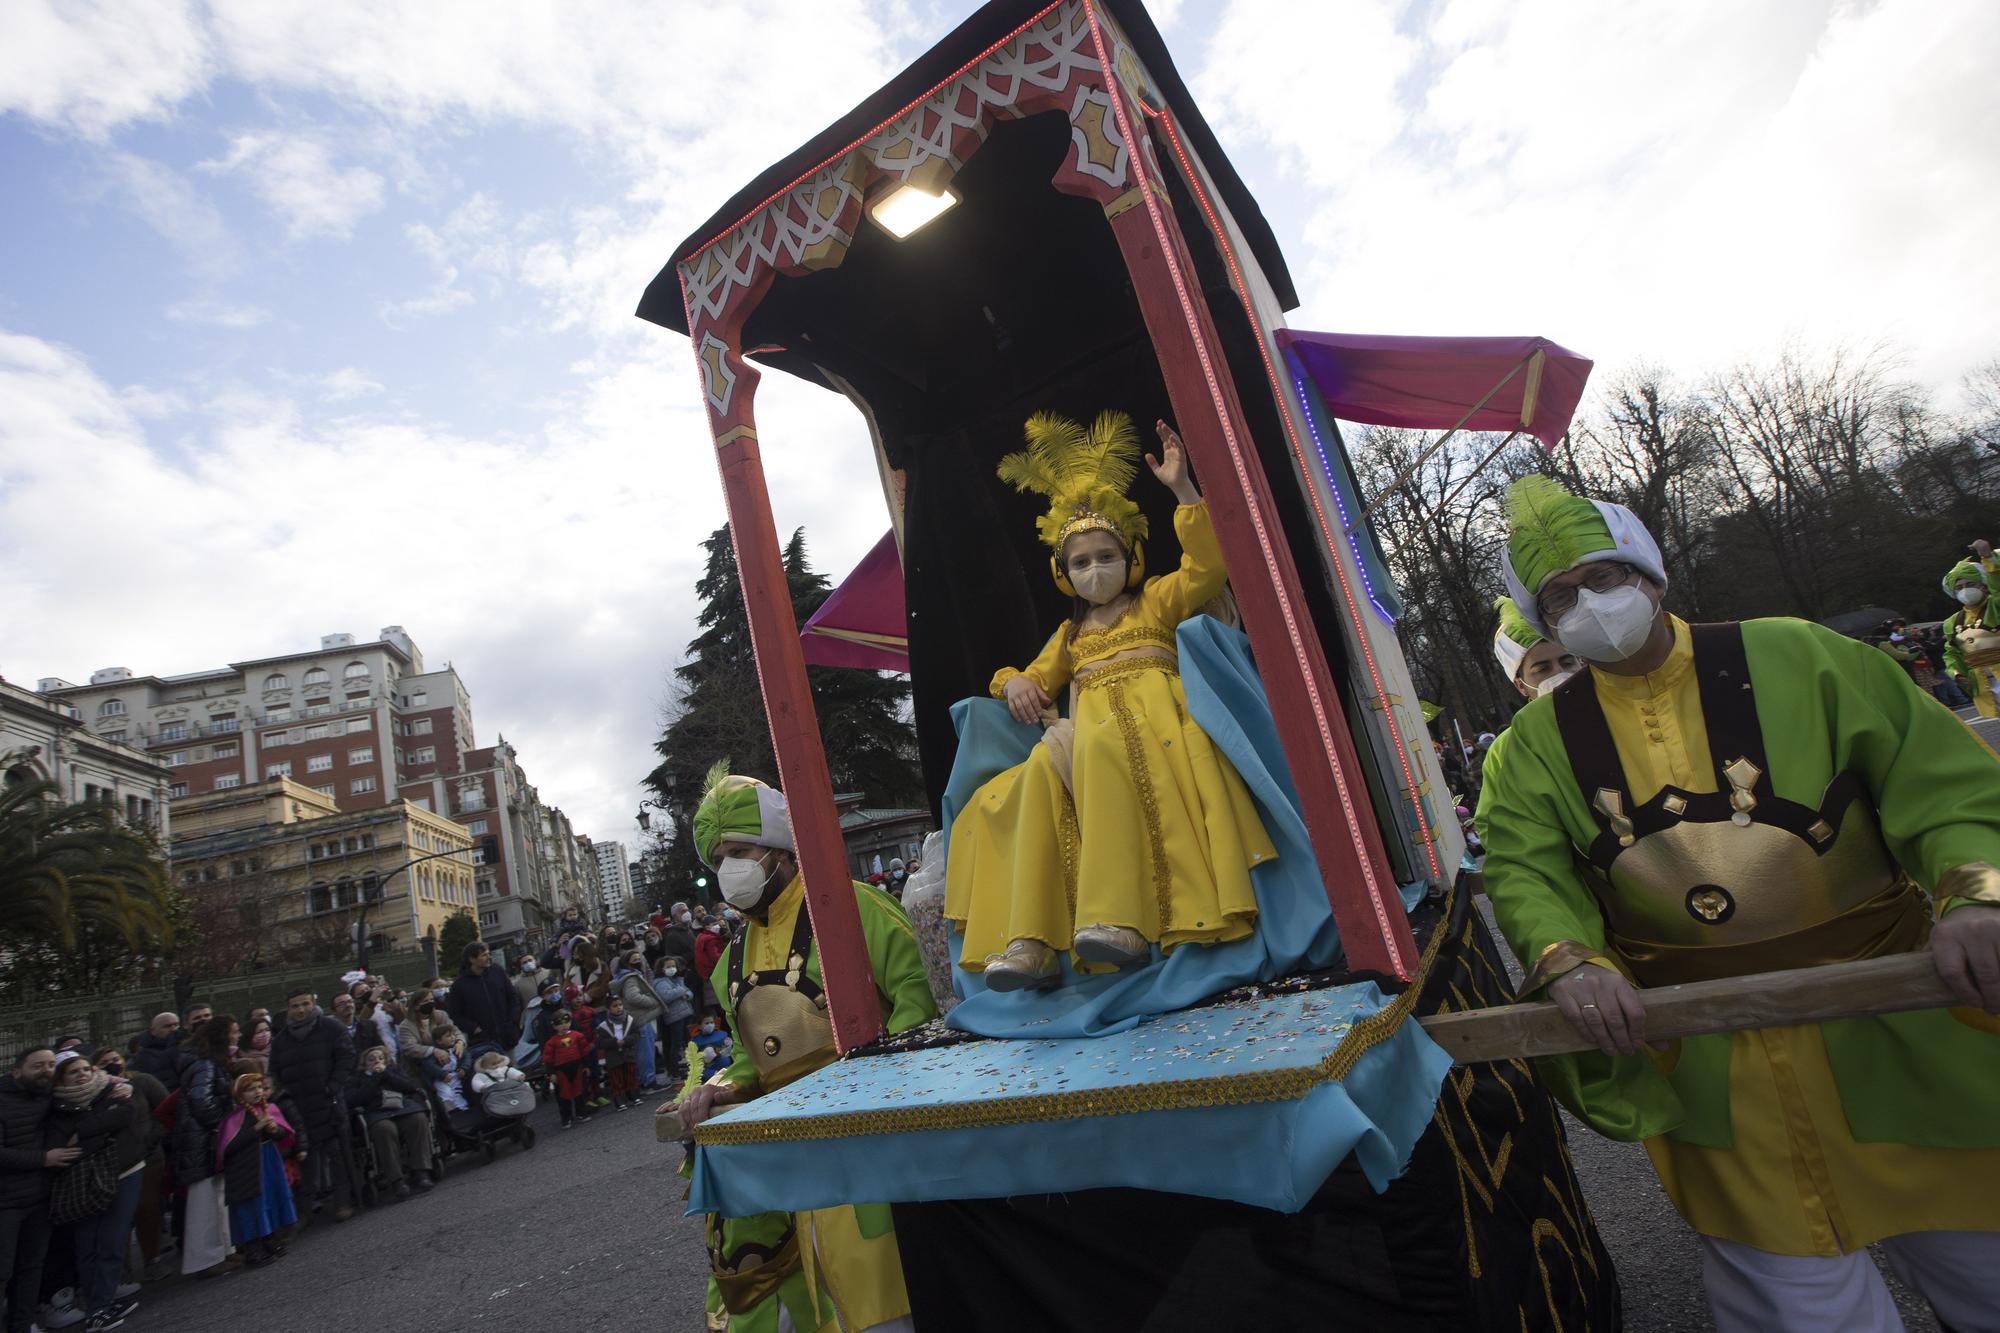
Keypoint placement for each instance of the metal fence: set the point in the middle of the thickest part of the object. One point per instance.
(107, 1019)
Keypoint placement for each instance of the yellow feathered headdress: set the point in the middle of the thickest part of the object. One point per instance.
(1084, 474)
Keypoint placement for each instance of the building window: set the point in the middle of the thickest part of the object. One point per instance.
(355, 671)
(476, 827)
(485, 887)
(278, 715)
(364, 755)
(421, 727)
(111, 708)
(237, 868)
(489, 918)
(224, 781)
(418, 699)
(270, 738)
(316, 708)
(226, 752)
(360, 785)
(114, 736)
(283, 770)
(276, 681)
(319, 763)
(319, 898)
(222, 722)
(316, 732)
(426, 754)
(316, 676)
(178, 790)
(176, 758)
(355, 724)
(367, 840)
(173, 731)
(327, 790)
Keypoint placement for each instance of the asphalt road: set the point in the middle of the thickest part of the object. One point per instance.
(584, 1231)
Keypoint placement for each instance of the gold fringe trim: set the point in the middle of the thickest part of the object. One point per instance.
(1131, 666)
(1069, 839)
(1264, 1085)
(1102, 642)
(1149, 804)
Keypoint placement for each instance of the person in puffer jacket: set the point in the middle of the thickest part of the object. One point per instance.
(205, 1100)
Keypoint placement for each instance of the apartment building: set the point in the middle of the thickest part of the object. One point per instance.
(615, 878)
(44, 739)
(293, 875)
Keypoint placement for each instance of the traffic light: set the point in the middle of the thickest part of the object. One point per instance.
(701, 881)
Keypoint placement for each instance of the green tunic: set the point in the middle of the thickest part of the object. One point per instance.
(1825, 704)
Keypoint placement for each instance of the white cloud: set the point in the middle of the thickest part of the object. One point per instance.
(216, 313)
(1615, 177)
(168, 202)
(295, 175)
(92, 67)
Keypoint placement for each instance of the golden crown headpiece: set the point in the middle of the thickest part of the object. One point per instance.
(1084, 474)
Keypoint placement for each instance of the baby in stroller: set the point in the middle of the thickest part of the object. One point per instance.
(501, 1100)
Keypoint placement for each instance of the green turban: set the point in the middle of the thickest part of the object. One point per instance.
(1513, 639)
(1550, 531)
(1962, 572)
(738, 809)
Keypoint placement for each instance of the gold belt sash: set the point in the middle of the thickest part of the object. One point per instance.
(1097, 677)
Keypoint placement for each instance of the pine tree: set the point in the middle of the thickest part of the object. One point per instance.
(719, 713)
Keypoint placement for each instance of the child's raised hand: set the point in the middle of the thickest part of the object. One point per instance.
(1171, 465)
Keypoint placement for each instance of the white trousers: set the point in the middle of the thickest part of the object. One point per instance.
(1755, 1291)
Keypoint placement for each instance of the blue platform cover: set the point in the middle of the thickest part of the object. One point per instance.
(1295, 930)
(1254, 1100)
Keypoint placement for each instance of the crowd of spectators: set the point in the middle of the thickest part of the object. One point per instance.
(207, 1142)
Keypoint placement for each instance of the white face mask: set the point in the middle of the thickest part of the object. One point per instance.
(1099, 583)
(1970, 596)
(1607, 626)
(1550, 685)
(742, 881)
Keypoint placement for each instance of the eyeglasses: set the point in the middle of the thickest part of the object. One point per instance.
(1557, 602)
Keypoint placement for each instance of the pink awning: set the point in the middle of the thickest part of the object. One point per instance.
(1429, 383)
(862, 623)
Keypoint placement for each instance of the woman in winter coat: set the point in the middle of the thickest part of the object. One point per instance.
(102, 1113)
(205, 1101)
(586, 972)
(416, 1036)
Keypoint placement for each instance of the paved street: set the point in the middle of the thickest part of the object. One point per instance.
(584, 1232)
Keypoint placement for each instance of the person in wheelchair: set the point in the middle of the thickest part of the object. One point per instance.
(399, 1123)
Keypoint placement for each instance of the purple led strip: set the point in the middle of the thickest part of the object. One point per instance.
(1354, 544)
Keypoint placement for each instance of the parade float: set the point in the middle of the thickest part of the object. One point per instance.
(1034, 218)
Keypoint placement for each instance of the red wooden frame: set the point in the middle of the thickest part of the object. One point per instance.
(1069, 57)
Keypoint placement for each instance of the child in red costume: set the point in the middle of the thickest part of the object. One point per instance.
(567, 1055)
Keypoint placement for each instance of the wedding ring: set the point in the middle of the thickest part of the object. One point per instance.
(1589, 1006)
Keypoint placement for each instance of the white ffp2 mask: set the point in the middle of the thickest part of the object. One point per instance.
(1607, 626)
(1553, 683)
(742, 880)
(1099, 583)
(1970, 596)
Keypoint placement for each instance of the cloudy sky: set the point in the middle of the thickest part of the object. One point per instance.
(318, 317)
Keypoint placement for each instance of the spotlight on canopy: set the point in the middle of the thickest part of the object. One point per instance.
(906, 208)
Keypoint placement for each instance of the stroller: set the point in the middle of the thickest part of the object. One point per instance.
(496, 1115)
(528, 1050)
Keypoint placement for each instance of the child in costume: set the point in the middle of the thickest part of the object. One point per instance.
(1972, 634)
(566, 1055)
(250, 1157)
(617, 1043)
(444, 1077)
(1124, 828)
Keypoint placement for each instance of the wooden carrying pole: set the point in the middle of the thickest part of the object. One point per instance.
(1891, 985)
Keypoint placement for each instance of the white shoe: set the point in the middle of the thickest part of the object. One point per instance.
(1026, 964)
(1117, 945)
(66, 1317)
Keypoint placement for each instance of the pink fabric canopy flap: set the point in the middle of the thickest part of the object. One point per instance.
(862, 623)
(1429, 383)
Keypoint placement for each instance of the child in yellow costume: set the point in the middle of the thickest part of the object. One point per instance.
(1124, 828)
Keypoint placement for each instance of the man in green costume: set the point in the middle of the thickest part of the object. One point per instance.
(1972, 633)
(1724, 800)
(830, 1267)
